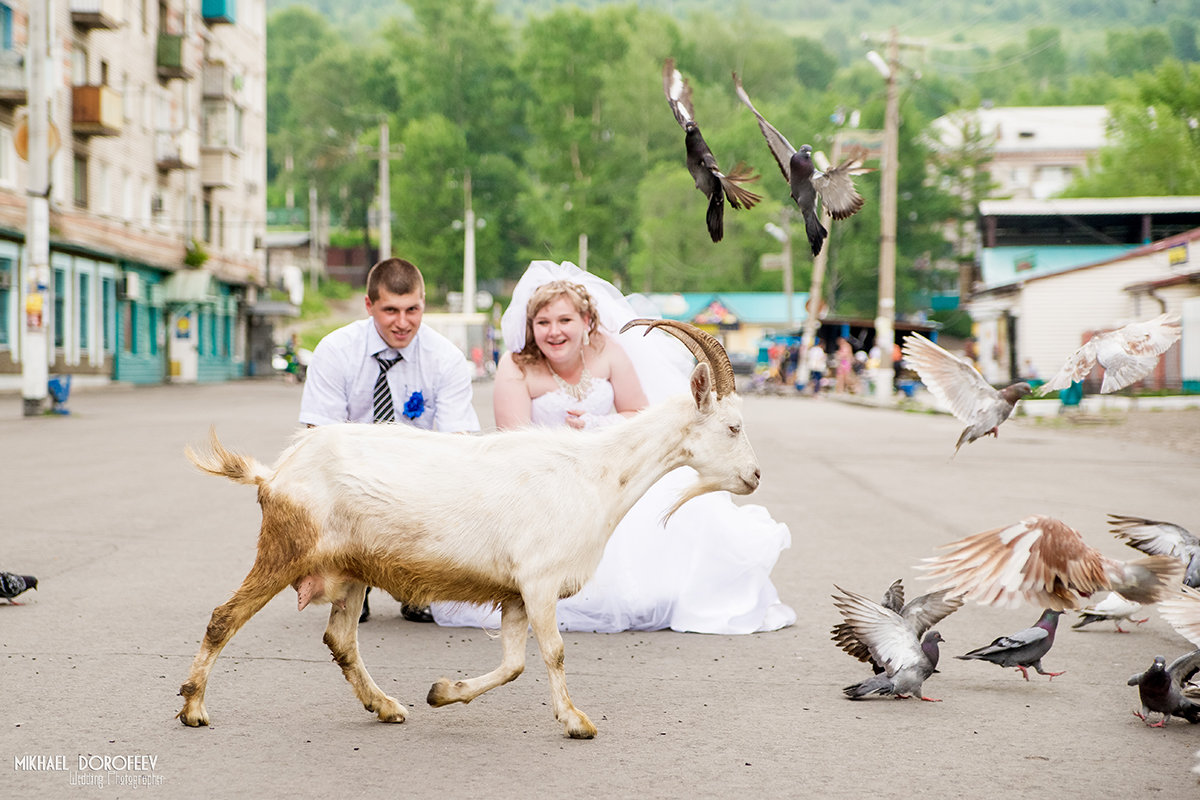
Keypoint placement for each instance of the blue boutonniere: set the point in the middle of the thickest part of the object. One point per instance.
(414, 406)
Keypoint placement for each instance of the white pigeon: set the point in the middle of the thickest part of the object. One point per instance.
(1127, 354)
(1113, 608)
(959, 386)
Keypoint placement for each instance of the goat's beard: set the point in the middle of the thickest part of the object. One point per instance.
(697, 489)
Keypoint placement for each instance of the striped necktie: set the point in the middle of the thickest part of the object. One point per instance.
(382, 400)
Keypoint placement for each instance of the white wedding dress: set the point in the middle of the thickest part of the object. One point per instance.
(707, 571)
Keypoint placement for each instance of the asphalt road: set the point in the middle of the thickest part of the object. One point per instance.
(134, 548)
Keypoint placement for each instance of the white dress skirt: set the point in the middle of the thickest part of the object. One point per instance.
(708, 570)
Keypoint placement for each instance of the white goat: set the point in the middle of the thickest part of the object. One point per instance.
(515, 518)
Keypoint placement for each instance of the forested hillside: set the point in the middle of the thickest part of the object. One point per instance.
(557, 111)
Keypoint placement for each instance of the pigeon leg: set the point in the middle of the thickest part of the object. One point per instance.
(901, 696)
(1119, 628)
(1140, 715)
(1140, 621)
(1162, 723)
(1051, 675)
(1024, 671)
(930, 699)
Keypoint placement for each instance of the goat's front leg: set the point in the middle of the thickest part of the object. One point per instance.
(341, 636)
(514, 630)
(543, 616)
(260, 585)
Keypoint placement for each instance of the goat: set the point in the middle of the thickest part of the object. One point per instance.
(514, 518)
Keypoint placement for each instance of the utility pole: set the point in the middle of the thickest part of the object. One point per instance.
(385, 193)
(35, 345)
(468, 249)
(885, 316)
(314, 239)
(583, 251)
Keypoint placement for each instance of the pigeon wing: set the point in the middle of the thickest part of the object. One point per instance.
(884, 632)
(1077, 367)
(1131, 353)
(1183, 668)
(893, 598)
(836, 185)
(1040, 560)
(1182, 612)
(679, 94)
(922, 613)
(951, 379)
(779, 146)
(1154, 537)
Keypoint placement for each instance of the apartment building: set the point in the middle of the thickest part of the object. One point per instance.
(157, 195)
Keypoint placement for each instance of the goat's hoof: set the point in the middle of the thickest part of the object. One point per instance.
(440, 694)
(193, 718)
(581, 727)
(389, 710)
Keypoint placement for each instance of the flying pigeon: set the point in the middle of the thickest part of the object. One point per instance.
(1182, 612)
(12, 585)
(700, 161)
(1161, 689)
(955, 382)
(1023, 649)
(1127, 354)
(1046, 562)
(834, 186)
(920, 615)
(893, 642)
(1160, 539)
(1114, 608)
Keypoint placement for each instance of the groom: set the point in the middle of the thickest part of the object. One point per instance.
(390, 368)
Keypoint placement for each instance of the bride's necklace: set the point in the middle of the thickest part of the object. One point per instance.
(579, 390)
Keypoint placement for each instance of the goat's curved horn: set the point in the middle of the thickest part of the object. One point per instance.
(704, 346)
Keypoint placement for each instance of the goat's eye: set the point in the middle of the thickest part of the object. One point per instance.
(735, 429)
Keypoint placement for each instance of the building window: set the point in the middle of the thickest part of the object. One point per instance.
(152, 330)
(131, 328)
(8, 165)
(81, 182)
(206, 231)
(85, 310)
(7, 294)
(103, 189)
(108, 301)
(79, 65)
(6, 26)
(60, 317)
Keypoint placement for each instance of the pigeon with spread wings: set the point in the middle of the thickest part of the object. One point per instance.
(1157, 538)
(701, 163)
(919, 614)
(955, 382)
(834, 187)
(1044, 561)
(1127, 354)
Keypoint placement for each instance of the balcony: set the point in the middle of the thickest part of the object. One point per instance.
(12, 78)
(217, 11)
(92, 14)
(170, 57)
(218, 81)
(177, 149)
(220, 168)
(96, 111)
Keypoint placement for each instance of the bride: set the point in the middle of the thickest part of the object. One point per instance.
(707, 570)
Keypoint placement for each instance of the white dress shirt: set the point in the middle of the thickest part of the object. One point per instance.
(340, 380)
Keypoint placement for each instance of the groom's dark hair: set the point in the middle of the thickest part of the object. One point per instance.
(395, 275)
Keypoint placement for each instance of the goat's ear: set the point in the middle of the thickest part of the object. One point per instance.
(702, 387)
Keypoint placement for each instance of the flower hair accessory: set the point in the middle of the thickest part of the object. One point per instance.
(414, 406)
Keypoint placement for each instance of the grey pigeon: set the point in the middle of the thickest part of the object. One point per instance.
(1022, 649)
(834, 187)
(957, 383)
(843, 634)
(1127, 354)
(1113, 608)
(908, 659)
(1160, 539)
(12, 585)
(701, 163)
(1044, 561)
(921, 614)
(1161, 689)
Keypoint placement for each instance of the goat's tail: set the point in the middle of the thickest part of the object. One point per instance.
(216, 460)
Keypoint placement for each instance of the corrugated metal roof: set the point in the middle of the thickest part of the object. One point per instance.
(1083, 206)
(759, 308)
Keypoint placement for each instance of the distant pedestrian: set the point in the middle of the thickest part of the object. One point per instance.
(817, 363)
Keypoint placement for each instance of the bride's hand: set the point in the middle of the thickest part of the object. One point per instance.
(575, 419)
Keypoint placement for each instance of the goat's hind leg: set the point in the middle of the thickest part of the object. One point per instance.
(514, 630)
(341, 636)
(256, 590)
(544, 620)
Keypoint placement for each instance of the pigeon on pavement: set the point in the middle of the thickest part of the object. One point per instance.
(1127, 354)
(1113, 608)
(12, 585)
(1182, 612)
(1044, 561)
(1160, 539)
(955, 382)
(893, 642)
(834, 187)
(1161, 689)
(701, 163)
(921, 614)
(1022, 649)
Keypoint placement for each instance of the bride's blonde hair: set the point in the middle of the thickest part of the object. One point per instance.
(543, 296)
